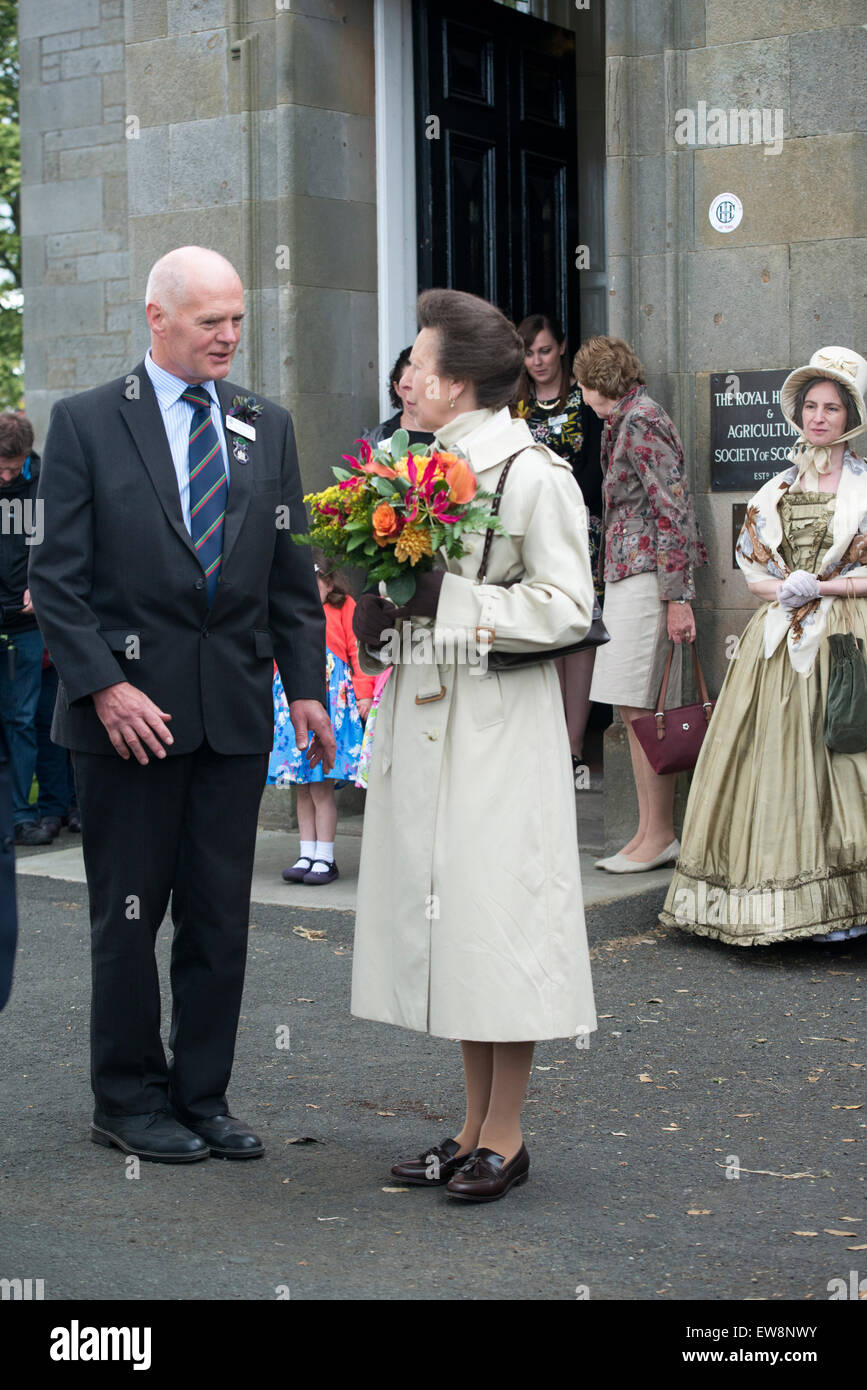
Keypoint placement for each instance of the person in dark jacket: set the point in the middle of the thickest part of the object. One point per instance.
(167, 584)
(20, 639)
(404, 418)
(8, 910)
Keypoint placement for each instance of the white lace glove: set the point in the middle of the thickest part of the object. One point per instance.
(798, 589)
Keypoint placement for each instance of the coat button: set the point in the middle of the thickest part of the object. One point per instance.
(205, 632)
(433, 735)
(200, 583)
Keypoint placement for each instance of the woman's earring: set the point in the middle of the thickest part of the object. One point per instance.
(451, 405)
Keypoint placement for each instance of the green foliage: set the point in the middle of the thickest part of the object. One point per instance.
(11, 381)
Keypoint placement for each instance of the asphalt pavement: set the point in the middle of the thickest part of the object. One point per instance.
(708, 1144)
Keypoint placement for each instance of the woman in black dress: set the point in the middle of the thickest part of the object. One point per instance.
(550, 401)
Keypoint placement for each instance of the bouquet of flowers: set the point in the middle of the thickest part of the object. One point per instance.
(394, 508)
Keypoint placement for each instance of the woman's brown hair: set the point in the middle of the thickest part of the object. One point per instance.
(327, 570)
(853, 419)
(477, 343)
(609, 366)
(529, 329)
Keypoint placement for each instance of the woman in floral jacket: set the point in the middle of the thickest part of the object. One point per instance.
(652, 545)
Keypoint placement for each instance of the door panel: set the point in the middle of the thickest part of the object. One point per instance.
(498, 182)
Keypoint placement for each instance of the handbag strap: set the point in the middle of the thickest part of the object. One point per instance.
(706, 702)
(495, 511)
(850, 605)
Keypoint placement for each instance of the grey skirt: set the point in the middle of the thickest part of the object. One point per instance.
(628, 670)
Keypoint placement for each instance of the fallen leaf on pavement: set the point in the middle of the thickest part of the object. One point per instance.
(309, 934)
(699, 1211)
(856, 1247)
(846, 1107)
(310, 1106)
(829, 1232)
(303, 1139)
(395, 1189)
(810, 1038)
(645, 1077)
(805, 1233)
(767, 1173)
(385, 1112)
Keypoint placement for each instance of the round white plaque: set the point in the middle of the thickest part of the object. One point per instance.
(726, 212)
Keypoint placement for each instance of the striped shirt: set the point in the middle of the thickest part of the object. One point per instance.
(177, 415)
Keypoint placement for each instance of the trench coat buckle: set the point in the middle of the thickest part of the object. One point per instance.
(430, 699)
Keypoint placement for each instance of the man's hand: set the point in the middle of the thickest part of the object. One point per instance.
(363, 707)
(28, 605)
(132, 721)
(308, 716)
(681, 622)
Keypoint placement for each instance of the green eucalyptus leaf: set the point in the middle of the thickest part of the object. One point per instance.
(398, 447)
(401, 588)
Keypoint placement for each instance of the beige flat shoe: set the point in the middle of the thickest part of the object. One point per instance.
(619, 864)
(613, 859)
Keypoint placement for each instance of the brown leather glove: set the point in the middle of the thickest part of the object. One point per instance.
(373, 617)
(425, 600)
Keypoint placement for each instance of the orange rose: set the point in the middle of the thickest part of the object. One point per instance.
(461, 480)
(385, 523)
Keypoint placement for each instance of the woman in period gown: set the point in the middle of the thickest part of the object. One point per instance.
(774, 846)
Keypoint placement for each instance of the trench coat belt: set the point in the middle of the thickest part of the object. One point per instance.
(431, 687)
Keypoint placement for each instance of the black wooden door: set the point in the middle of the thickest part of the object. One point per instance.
(496, 156)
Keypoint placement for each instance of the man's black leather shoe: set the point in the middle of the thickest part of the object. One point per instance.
(157, 1137)
(227, 1137)
(30, 832)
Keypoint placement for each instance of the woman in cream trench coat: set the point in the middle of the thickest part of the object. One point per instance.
(470, 920)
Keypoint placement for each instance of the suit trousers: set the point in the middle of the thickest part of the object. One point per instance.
(180, 828)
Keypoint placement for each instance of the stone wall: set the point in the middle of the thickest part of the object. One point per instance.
(74, 198)
(237, 124)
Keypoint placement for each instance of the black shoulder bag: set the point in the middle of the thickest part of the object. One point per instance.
(505, 661)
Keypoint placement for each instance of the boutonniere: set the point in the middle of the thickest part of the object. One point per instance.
(245, 409)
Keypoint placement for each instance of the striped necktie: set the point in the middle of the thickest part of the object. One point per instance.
(207, 487)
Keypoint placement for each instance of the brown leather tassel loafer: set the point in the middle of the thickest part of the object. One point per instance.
(432, 1168)
(485, 1176)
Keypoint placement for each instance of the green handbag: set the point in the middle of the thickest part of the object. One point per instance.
(846, 706)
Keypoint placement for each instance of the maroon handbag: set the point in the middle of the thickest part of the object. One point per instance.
(672, 738)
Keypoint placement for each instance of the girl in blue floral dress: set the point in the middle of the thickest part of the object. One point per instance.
(350, 693)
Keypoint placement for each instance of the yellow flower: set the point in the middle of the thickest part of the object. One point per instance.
(412, 544)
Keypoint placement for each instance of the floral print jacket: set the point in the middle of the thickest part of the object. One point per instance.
(649, 519)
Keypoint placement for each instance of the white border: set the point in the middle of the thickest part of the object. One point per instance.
(397, 247)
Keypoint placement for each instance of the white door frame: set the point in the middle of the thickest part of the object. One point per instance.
(397, 248)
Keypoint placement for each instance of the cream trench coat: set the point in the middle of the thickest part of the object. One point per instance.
(470, 919)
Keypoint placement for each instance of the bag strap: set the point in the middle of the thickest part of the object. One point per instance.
(850, 604)
(706, 702)
(495, 511)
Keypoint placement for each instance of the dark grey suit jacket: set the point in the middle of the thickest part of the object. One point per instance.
(119, 591)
